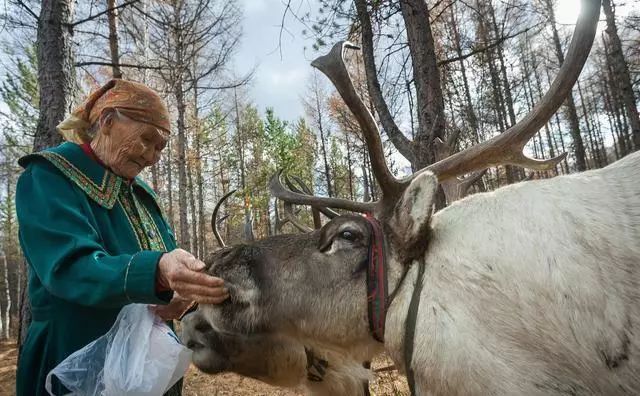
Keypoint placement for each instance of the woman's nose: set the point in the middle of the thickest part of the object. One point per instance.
(150, 156)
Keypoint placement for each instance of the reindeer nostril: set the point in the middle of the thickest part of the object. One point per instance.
(202, 327)
(194, 345)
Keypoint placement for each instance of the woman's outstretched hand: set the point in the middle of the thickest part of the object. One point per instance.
(181, 272)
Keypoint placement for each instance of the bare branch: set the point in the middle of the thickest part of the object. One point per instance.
(98, 15)
(81, 64)
(29, 10)
(482, 49)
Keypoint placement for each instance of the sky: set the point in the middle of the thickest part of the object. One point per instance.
(278, 82)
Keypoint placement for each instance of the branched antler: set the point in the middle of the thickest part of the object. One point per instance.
(504, 149)
(214, 216)
(302, 188)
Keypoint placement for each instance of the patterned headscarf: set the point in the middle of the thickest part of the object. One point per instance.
(134, 100)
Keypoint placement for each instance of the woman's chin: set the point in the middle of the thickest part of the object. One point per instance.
(130, 173)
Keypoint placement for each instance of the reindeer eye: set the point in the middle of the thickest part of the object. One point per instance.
(348, 235)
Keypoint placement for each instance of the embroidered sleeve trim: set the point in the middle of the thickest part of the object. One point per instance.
(126, 277)
(105, 194)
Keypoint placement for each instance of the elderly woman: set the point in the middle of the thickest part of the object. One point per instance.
(93, 233)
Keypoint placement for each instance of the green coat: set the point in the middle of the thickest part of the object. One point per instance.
(92, 242)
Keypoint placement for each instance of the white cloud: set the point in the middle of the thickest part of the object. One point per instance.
(278, 82)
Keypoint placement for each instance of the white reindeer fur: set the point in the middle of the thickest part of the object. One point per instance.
(528, 288)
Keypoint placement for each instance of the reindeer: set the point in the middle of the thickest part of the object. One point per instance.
(272, 358)
(533, 289)
(275, 359)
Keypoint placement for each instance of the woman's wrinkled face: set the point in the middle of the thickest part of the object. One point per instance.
(130, 145)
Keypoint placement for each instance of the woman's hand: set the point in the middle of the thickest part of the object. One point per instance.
(181, 272)
(174, 309)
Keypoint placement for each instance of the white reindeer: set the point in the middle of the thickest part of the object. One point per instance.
(533, 289)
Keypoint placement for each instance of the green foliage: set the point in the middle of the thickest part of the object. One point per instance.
(258, 166)
(339, 169)
(19, 92)
(281, 143)
(306, 152)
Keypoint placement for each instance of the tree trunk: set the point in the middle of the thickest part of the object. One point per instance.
(429, 99)
(56, 74)
(508, 99)
(315, 107)
(616, 107)
(6, 313)
(402, 144)
(178, 89)
(154, 177)
(570, 106)
(350, 167)
(618, 143)
(472, 119)
(426, 79)
(247, 228)
(56, 82)
(512, 172)
(112, 16)
(538, 87)
(621, 71)
(595, 154)
(199, 180)
(193, 245)
(170, 185)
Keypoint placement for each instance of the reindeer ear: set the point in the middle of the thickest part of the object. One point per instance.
(410, 219)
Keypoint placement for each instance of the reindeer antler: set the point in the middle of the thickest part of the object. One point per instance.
(279, 191)
(505, 148)
(302, 188)
(293, 219)
(214, 216)
(333, 66)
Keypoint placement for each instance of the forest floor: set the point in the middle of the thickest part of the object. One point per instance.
(8, 359)
(387, 383)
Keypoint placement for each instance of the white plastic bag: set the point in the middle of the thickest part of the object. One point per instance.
(139, 355)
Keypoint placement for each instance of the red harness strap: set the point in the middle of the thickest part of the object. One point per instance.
(377, 293)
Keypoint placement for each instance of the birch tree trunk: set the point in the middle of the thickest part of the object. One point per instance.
(6, 319)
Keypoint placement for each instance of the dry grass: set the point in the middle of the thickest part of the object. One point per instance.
(387, 383)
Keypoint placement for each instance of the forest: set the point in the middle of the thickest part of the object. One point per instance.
(436, 87)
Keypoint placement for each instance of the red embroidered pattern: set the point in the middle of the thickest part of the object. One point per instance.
(105, 195)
